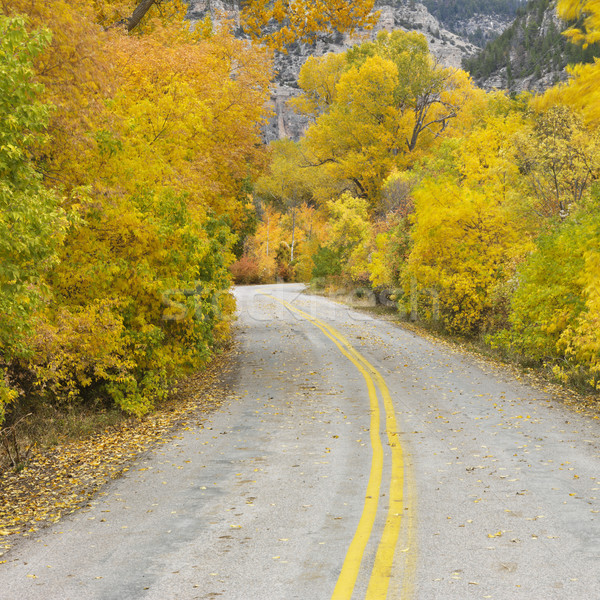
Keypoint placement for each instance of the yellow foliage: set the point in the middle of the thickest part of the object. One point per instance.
(464, 242)
(581, 91)
(383, 110)
(85, 346)
(486, 156)
(189, 114)
(350, 232)
(266, 242)
(109, 13)
(353, 140)
(282, 22)
(560, 159)
(589, 12)
(318, 80)
(381, 270)
(580, 340)
(154, 137)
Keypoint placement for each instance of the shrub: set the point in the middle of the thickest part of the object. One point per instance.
(246, 270)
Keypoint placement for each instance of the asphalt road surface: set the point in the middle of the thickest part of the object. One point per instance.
(353, 459)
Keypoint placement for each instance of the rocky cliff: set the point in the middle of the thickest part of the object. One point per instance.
(531, 54)
(449, 48)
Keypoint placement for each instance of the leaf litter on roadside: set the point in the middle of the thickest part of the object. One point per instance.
(58, 481)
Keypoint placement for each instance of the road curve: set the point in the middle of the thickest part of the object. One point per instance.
(353, 459)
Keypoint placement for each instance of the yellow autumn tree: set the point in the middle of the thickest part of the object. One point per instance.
(265, 245)
(392, 231)
(559, 158)
(282, 22)
(350, 233)
(318, 79)
(588, 11)
(467, 240)
(153, 138)
(286, 184)
(391, 102)
(580, 92)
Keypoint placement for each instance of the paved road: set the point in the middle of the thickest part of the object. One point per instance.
(353, 459)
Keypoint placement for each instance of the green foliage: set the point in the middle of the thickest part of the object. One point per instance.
(30, 222)
(453, 13)
(555, 309)
(327, 263)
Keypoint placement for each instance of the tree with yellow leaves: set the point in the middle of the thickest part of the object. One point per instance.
(151, 141)
(286, 183)
(391, 101)
(588, 11)
(467, 237)
(560, 158)
(581, 91)
(280, 22)
(350, 233)
(276, 23)
(318, 80)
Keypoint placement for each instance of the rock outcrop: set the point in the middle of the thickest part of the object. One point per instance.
(449, 48)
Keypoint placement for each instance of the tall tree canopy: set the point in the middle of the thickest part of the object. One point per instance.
(376, 105)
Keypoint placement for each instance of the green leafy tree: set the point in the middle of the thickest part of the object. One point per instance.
(31, 223)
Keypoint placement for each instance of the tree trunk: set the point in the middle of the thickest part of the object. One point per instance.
(268, 232)
(293, 233)
(138, 14)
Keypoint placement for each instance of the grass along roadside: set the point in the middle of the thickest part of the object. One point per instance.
(63, 477)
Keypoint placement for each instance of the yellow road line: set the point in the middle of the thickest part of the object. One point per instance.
(351, 567)
(384, 559)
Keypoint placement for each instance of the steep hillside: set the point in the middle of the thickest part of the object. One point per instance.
(531, 54)
(407, 15)
(478, 21)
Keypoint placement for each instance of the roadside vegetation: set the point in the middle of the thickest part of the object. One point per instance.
(135, 187)
(122, 164)
(129, 144)
(474, 213)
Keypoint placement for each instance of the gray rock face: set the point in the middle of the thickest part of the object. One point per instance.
(405, 15)
(548, 72)
(200, 8)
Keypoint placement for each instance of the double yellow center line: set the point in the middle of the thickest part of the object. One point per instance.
(400, 515)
